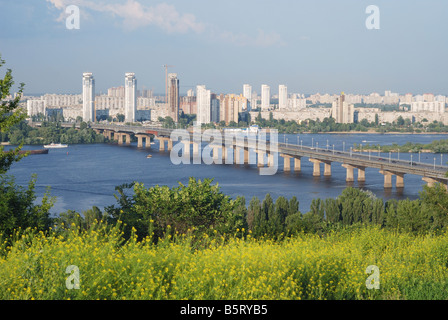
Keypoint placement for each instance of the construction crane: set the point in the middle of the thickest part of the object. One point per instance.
(166, 81)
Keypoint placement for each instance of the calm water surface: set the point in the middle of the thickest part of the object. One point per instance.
(82, 176)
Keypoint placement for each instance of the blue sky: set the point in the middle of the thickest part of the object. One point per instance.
(311, 46)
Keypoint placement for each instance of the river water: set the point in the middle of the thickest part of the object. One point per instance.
(82, 176)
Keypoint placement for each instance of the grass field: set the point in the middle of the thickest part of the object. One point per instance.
(303, 267)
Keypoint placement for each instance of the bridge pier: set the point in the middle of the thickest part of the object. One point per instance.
(431, 182)
(399, 183)
(387, 180)
(260, 156)
(350, 177)
(327, 169)
(237, 155)
(140, 138)
(216, 158)
(127, 139)
(297, 164)
(316, 167)
(195, 148)
(106, 134)
(224, 153)
(161, 144)
(186, 148)
(361, 174)
(351, 173)
(286, 162)
(270, 160)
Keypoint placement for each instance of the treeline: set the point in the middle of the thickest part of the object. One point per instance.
(352, 207)
(400, 125)
(437, 146)
(50, 132)
(200, 208)
(313, 126)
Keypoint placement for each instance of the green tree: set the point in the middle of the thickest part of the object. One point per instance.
(353, 206)
(18, 209)
(294, 223)
(435, 200)
(198, 207)
(412, 216)
(253, 213)
(282, 209)
(293, 207)
(120, 117)
(332, 211)
(10, 114)
(83, 126)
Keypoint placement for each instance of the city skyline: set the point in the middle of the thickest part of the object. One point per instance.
(309, 47)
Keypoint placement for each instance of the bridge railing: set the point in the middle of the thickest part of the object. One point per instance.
(305, 151)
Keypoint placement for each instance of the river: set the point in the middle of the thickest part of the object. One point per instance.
(82, 176)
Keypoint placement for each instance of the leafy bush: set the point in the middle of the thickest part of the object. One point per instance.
(198, 207)
(18, 209)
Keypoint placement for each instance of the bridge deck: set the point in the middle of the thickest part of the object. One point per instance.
(354, 159)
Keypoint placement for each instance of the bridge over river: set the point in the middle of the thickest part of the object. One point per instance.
(229, 151)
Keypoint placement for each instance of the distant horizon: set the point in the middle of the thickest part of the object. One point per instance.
(259, 94)
(322, 46)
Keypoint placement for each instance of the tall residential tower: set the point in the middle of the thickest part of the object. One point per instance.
(130, 97)
(247, 93)
(88, 97)
(282, 97)
(173, 96)
(265, 97)
(342, 111)
(203, 105)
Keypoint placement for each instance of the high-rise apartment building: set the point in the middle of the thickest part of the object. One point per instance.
(247, 93)
(282, 97)
(88, 97)
(116, 92)
(231, 106)
(188, 104)
(130, 98)
(203, 101)
(342, 111)
(36, 106)
(214, 109)
(428, 106)
(173, 96)
(265, 97)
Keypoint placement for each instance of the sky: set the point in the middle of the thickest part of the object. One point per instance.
(319, 46)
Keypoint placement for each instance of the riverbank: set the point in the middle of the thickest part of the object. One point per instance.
(375, 132)
(392, 151)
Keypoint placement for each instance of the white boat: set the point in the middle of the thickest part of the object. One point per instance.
(251, 129)
(254, 129)
(55, 146)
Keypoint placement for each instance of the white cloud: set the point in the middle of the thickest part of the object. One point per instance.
(166, 17)
(136, 15)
